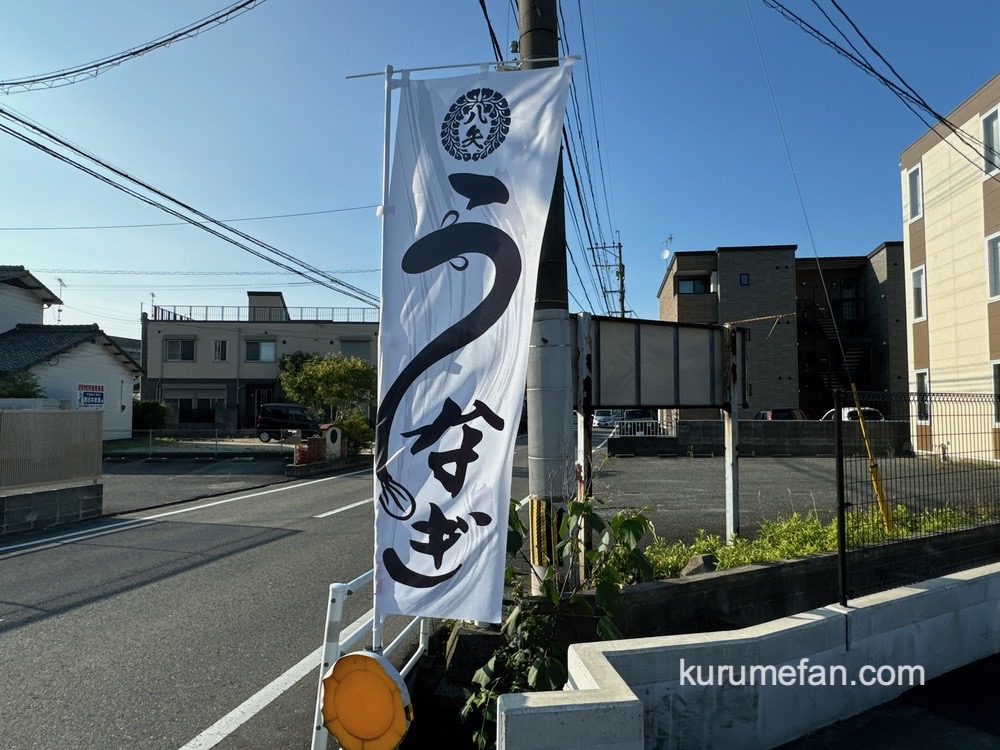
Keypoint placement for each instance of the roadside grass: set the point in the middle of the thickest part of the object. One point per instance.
(798, 535)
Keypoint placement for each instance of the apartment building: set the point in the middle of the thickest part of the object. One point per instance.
(950, 187)
(814, 326)
(215, 366)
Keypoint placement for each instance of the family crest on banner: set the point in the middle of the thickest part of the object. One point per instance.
(472, 178)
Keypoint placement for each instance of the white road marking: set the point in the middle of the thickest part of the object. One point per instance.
(76, 535)
(282, 488)
(122, 525)
(263, 697)
(369, 501)
(254, 704)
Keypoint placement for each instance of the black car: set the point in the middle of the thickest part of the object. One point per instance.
(275, 419)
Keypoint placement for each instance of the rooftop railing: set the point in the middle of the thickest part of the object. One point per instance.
(259, 314)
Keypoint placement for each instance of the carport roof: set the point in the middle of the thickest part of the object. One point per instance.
(27, 345)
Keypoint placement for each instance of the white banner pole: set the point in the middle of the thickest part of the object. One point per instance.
(377, 615)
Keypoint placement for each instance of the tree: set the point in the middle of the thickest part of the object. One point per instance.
(150, 415)
(22, 384)
(342, 385)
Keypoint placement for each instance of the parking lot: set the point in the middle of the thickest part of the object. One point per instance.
(687, 494)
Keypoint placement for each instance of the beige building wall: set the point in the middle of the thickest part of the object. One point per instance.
(355, 339)
(960, 339)
(949, 241)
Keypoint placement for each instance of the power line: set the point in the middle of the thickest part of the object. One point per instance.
(905, 93)
(94, 272)
(68, 76)
(207, 223)
(795, 181)
(568, 148)
(497, 50)
(184, 223)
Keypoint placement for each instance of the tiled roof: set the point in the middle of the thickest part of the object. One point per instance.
(28, 345)
(11, 272)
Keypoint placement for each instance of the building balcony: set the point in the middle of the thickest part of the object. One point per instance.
(235, 314)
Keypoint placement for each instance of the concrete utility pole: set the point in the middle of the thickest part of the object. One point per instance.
(551, 478)
(619, 267)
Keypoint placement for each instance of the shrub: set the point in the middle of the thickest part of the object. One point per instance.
(150, 415)
(357, 433)
(22, 384)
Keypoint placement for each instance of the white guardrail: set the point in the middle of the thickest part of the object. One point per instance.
(642, 428)
(338, 643)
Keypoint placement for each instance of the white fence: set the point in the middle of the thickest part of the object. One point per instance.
(643, 428)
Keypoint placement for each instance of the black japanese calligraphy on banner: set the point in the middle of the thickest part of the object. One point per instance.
(460, 258)
(450, 244)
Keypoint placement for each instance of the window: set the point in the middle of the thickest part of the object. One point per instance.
(993, 265)
(850, 299)
(744, 279)
(996, 394)
(359, 349)
(693, 286)
(195, 410)
(178, 350)
(261, 351)
(919, 301)
(221, 351)
(916, 193)
(923, 396)
(991, 142)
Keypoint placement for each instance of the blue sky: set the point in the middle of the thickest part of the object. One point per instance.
(256, 118)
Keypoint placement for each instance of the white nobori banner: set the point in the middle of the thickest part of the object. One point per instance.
(471, 184)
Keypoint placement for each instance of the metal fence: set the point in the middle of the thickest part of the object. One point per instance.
(918, 487)
(49, 447)
(644, 428)
(263, 314)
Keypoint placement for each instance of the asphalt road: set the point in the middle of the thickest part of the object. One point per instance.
(152, 629)
(146, 630)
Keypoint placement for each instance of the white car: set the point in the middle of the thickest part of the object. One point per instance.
(850, 414)
(604, 418)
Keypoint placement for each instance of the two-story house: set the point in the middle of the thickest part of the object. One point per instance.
(215, 366)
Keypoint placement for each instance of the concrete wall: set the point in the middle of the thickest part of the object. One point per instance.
(50, 468)
(939, 625)
(39, 508)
